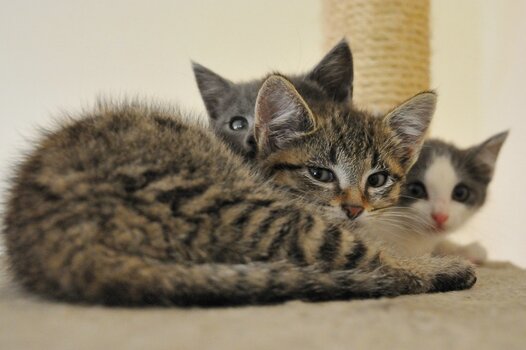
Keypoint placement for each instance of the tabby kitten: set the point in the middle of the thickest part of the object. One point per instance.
(131, 205)
(230, 105)
(445, 187)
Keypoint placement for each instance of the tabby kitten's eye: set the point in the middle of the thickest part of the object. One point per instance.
(238, 123)
(460, 193)
(322, 175)
(377, 179)
(417, 190)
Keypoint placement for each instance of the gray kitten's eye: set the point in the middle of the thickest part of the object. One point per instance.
(322, 175)
(417, 190)
(460, 193)
(238, 123)
(377, 179)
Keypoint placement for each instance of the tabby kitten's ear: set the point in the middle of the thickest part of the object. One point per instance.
(335, 72)
(410, 122)
(488, 151)
(281, 115)
(212, 87)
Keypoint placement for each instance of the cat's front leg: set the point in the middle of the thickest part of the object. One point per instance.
(350, 266)
(374, 272)
(379, 275)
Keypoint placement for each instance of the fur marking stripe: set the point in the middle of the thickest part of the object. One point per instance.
(353, 257)
(331, 244)
(286, 167)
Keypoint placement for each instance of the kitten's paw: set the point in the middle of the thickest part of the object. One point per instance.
(474, 252)
(423, 274)
(455, 274)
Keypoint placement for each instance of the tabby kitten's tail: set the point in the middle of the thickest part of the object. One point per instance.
(109, 277)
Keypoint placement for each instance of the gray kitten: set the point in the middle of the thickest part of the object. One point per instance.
(445, 187)
(230, 105)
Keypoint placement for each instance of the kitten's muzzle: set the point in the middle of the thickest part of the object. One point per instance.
(352, 211)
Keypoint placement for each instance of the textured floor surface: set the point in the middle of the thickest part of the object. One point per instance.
(492, 315)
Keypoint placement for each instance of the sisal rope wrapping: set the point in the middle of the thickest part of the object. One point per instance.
(390, 44)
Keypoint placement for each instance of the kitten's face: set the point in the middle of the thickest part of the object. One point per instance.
(230, 106)
(232, 117)
(345, 161)
(448, 185)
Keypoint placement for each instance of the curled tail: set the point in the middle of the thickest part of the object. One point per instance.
(102, 275)
(105, 276)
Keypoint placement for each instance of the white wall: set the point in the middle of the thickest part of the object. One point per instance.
(59, 54)
(479, 69)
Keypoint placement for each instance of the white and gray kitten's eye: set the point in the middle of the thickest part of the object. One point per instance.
(238, 123)
(460, 193)
(377, 179)
(321, 174)
(417, 190)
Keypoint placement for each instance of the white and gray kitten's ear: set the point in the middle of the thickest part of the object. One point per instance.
(281, 115)
(334, 73)
(410, 122)
(488, 151)
(213, 88)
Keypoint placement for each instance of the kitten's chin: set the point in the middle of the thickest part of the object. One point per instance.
(440, 230)
(446, 230)
(437, 230)
(366, 222)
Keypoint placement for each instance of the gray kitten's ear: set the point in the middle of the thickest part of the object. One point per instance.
(213, 88)
(410, 122)
(281, 115)
(488, 151)
(335, 72)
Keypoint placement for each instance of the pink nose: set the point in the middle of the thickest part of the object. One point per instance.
(440, 218)
(353, 211)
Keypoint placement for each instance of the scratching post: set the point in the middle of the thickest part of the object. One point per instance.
(390, 44)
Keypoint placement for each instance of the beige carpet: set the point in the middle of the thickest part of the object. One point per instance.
(490, 316)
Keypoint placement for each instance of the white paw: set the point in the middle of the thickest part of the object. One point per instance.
(474, 252)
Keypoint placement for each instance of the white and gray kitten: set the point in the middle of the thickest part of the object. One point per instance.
(445, 187)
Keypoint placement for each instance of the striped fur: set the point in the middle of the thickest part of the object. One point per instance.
(130, 205)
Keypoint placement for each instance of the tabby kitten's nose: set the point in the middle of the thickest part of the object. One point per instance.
(353, 211)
